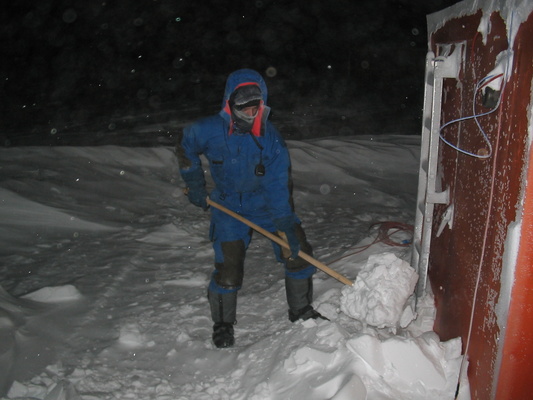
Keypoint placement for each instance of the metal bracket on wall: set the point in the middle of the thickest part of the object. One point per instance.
(447, 65)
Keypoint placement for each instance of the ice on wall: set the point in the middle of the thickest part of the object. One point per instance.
(514, 12)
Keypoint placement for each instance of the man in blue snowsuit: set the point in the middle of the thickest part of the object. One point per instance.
(250, 166)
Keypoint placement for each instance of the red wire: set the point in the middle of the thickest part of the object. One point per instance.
(490, 80)
(383, 236)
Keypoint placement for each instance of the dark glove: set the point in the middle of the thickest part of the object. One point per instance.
(286, 225)
(198, 196)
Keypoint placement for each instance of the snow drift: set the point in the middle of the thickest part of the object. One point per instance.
(105, 266)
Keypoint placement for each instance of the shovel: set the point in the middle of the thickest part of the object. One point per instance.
(282, 243)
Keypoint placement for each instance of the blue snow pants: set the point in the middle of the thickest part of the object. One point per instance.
(231, 238)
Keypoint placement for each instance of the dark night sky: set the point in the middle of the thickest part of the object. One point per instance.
(73, 65)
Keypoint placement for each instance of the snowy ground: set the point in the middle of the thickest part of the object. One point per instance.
(104, 267)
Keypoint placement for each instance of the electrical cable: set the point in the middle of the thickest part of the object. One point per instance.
(384, 235)
(481, 84)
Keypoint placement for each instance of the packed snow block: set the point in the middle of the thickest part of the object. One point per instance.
(20, 391)
(308, 358)
(354, 389)
(380, 291)
(369, 349)
(401, 363)
(411, 365)
(343, 386)
(63, 390)
(131, 336)
(416, 366)
(54, 294)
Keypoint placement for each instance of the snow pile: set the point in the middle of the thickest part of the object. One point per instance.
(411, 368)
(62, 390)
(131, 336)
(54, 294)
(401, 368)
(379, 294)
(312, 360)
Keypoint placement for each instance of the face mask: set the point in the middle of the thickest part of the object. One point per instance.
(243, 121)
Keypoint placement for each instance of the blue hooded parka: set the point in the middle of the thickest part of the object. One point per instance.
(233, 157)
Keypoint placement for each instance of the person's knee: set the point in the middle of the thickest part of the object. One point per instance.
(229, 273)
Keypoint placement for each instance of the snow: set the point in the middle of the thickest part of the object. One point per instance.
(380, 292)
(54, 294)
(105, 265)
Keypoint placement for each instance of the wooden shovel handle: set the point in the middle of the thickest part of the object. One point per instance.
(282, 243)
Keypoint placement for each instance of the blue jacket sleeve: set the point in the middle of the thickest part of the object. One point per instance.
(188, 152)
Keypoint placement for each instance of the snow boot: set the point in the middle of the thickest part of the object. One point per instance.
(223, 335)
(299, 297)
(223, 312)
(308, 312)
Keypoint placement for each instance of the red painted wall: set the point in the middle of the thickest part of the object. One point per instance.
(467, 262)
(516, 371)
